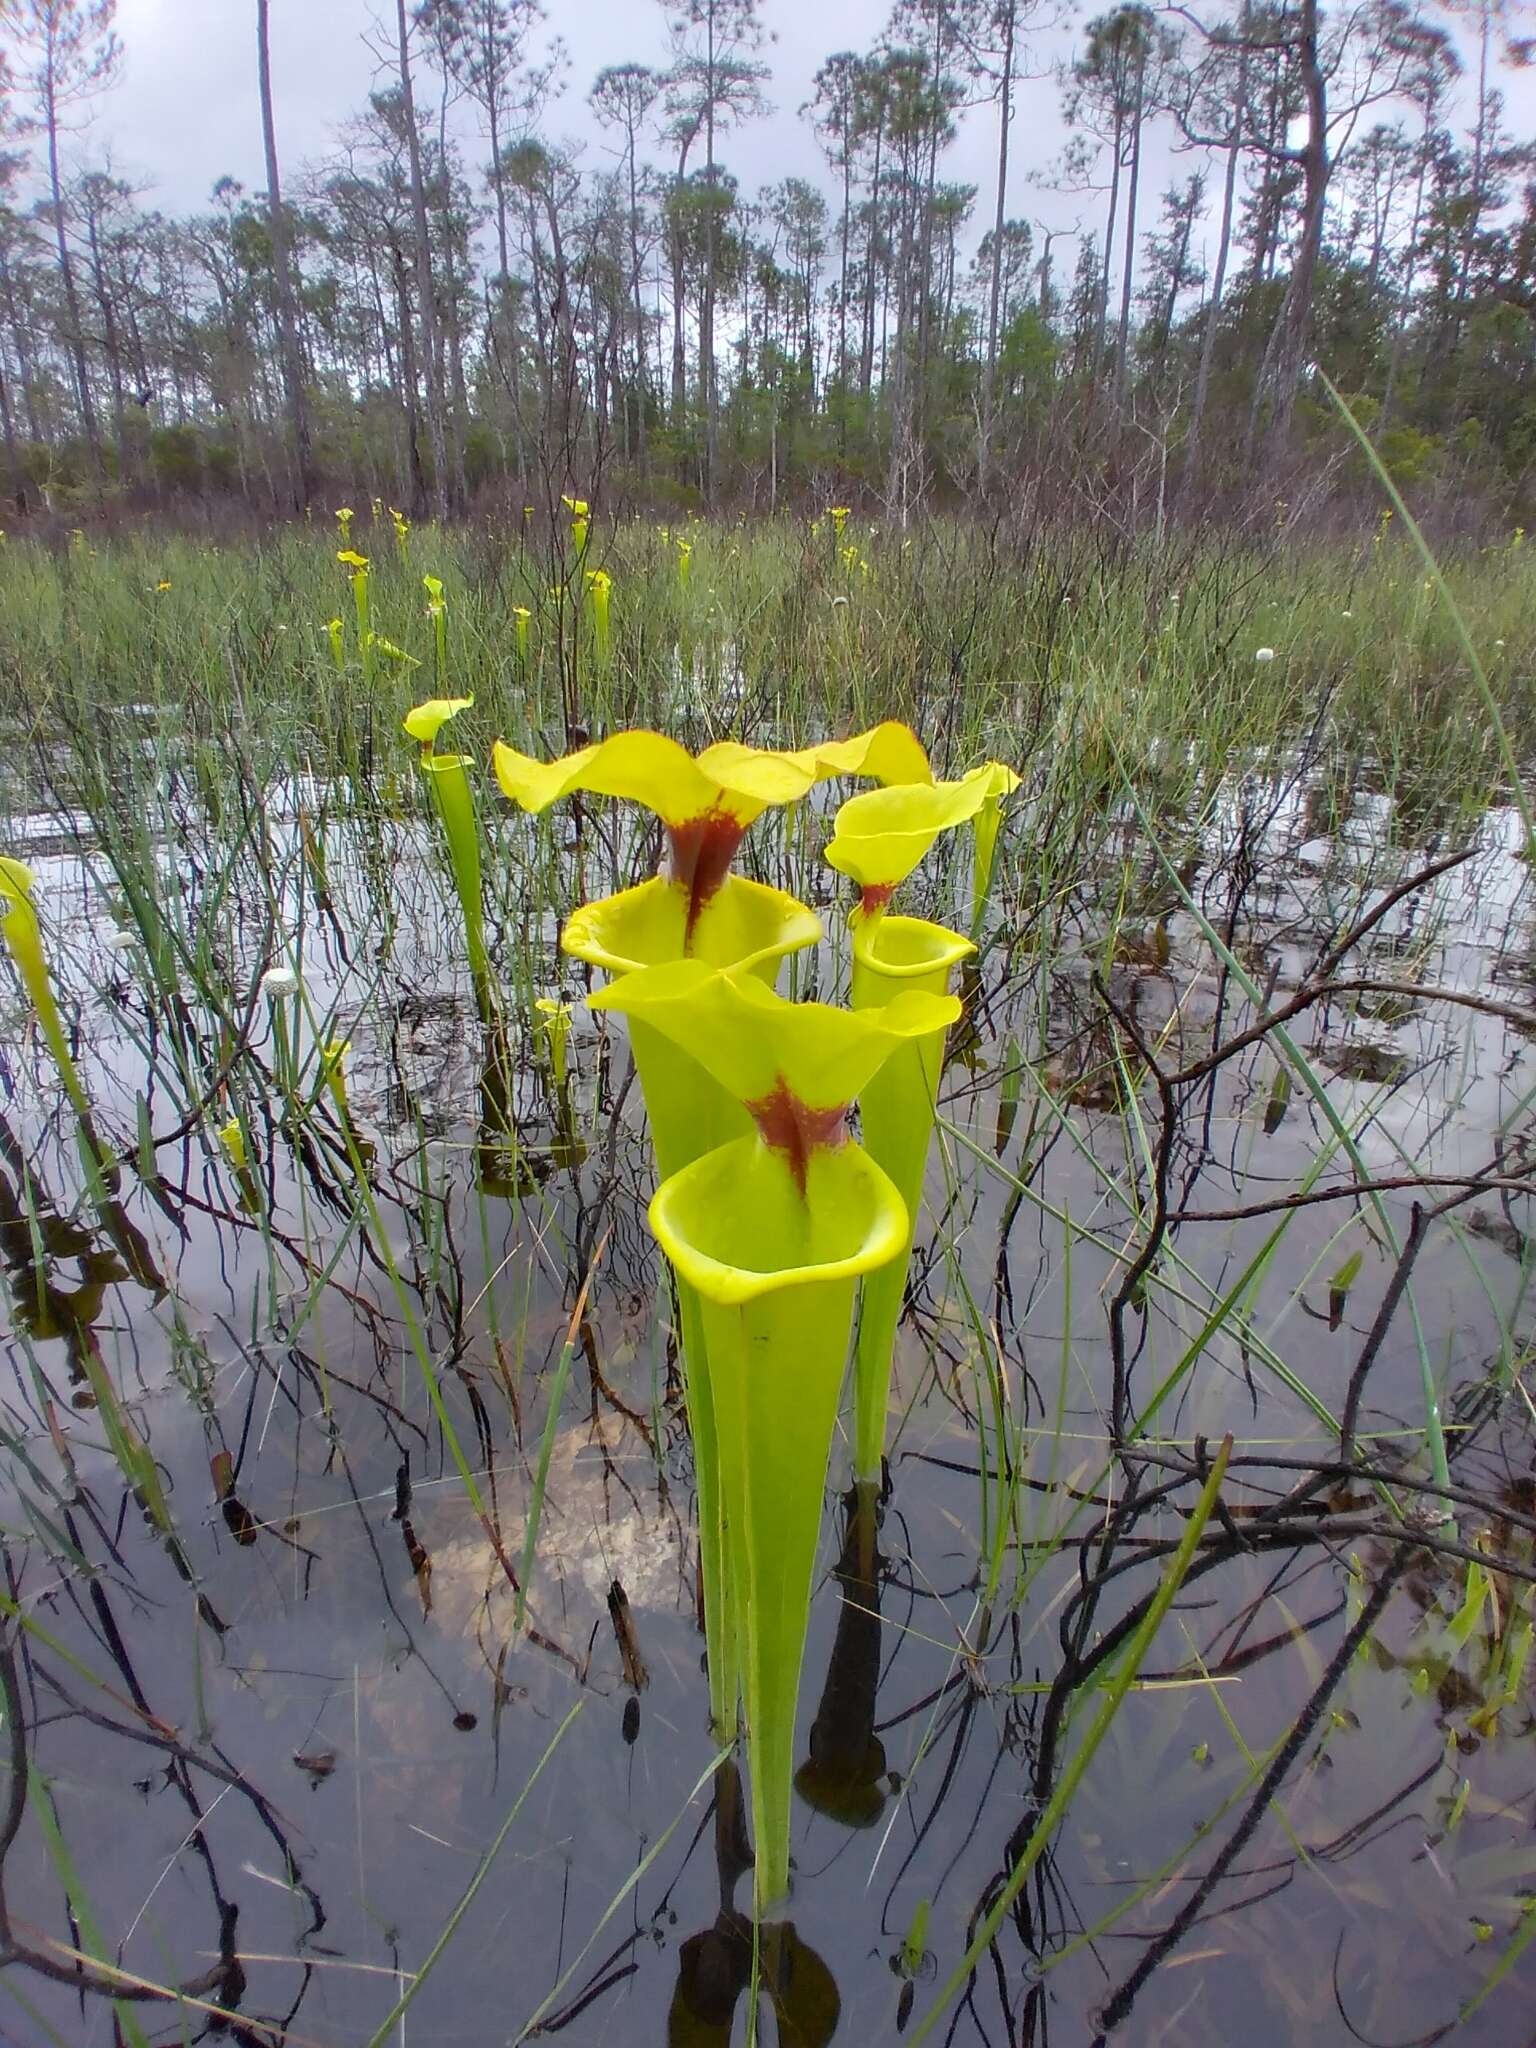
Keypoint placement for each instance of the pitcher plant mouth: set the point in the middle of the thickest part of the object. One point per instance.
(903, 950)
(706, 803)
(738, 1227)
(744, 924)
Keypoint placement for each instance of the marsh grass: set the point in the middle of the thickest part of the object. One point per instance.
(1152, 1172)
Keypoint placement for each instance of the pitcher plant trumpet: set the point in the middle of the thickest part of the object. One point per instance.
(772, 1232)
(448, 776)
(698, 909)
(879, 838)
(24, 942)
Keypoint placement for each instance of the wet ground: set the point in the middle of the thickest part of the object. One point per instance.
(293, 1737)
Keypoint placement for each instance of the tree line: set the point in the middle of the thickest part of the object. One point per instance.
(436, 322)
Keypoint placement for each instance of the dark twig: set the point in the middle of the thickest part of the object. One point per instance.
(1118, 2007)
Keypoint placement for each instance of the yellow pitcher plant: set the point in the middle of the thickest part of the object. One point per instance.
(24, 942)
(600, 597)
(437, 612)
(448, 775)
(579, 509)
(698, 910)
(879, 838)
(771, 1232)
(357, 564)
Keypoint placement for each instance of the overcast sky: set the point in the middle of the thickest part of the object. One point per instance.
(185, 112)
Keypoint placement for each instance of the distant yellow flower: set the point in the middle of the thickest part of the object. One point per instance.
(232, 1138)
(579, 507)
(352, 559)
(162, 586)
(338, 649)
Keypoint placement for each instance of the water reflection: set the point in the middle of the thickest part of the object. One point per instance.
(35, 1238)
(716, 1966)
(377, 1659)
(844, 1777)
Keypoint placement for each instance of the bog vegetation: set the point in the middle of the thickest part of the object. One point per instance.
(604, 1430)
(356, 1486)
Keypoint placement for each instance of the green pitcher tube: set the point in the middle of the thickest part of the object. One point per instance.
(449, 778)
(896, 1113)
(771, 1233)
(774, 1272)
(24, 942)
(744, 924)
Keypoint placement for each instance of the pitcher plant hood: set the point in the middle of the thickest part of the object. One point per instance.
(706, 801)
(880, 835)
(796, 1067)
(425, 721)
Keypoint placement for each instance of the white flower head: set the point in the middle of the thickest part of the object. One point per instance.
(1498, 643)
(1263, 654)
(121, 942)
(1346, 615)
(280, 981)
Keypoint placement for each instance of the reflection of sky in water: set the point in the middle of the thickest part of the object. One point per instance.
(330, 1647)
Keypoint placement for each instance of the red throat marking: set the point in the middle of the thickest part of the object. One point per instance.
(875, 897)
(702, 851)
(793, 1127)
